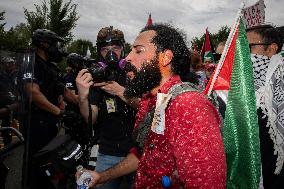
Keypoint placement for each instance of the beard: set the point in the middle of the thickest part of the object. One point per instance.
(144, 80)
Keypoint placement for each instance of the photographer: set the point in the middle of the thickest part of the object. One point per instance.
(111, 112)
(43, 87)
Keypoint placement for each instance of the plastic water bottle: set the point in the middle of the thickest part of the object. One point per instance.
(85, 178)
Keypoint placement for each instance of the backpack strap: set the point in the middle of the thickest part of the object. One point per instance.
(180, 88)
(141, 132)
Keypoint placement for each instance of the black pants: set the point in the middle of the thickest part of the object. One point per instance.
(270, 180)
(41, 131)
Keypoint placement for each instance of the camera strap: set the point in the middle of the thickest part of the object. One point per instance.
(89, 124)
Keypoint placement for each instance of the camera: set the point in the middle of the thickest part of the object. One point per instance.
(101, 72)
(78, 62)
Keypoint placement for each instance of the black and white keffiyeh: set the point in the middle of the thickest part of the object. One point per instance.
(269, 86)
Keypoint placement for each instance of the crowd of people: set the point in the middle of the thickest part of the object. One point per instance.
(153, 125)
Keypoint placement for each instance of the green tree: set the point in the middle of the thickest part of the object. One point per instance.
(127, 48)
(55, 15)
(17, 38)
(80, 46)
(2, 18)
(216, 38)
(2, 32)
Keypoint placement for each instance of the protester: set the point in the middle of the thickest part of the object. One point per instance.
(209, 66)
(42, 87)
(265, 44)
(185, 148)
(112, 114)
(198, 69)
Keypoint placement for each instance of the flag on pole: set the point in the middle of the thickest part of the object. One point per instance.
(207, 50)
(149, 21)
(240, 131)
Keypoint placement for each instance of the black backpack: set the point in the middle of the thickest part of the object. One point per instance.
(60, 155)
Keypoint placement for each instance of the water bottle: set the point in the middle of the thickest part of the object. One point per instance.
(85, 178)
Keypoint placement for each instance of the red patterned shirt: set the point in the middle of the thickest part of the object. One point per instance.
(191, 151)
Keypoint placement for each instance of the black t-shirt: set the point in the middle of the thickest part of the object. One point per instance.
(115, 121)
(70, 81)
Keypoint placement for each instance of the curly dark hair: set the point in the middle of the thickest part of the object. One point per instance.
(168, 37)
(269, 35)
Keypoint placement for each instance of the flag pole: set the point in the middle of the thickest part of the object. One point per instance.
(225, 51)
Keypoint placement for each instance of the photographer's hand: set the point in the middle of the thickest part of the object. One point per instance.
(84, 81)
(111, 87)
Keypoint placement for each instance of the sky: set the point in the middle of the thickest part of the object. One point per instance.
(130, 16)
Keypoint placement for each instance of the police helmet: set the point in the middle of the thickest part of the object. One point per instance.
(8, 59)
(46, 36)
(75, 60)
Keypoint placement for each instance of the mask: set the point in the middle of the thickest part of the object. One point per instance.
(111, 58)
(55, 54)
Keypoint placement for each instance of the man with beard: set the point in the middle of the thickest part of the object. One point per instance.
(111, 113)
(265, 43)
(178, 137)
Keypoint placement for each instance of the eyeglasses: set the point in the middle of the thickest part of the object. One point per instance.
(255, 44)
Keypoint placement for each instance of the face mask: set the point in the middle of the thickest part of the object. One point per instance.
(55, 55)
(111, 58)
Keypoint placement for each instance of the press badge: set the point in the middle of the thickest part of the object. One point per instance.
(110, 103)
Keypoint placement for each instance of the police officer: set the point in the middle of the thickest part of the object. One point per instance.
(8, 96)
(111, 112)
(43, 87)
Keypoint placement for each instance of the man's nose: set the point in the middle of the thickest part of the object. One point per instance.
(128, 58)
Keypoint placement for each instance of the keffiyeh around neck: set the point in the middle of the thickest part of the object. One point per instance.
(269, 86)
(260, 65)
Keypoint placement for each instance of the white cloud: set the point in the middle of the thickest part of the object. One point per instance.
(193, 16)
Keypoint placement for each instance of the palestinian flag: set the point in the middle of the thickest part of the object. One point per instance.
(207, 50)
(234, 75)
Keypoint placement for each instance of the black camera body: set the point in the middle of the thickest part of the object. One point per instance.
(101, 72)
(78, 62)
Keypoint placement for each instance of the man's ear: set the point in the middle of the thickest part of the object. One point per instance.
(273, 48)
(167, 57)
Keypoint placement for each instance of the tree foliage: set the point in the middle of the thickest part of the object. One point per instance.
(2, 18)
(127, 48)
(17, 38)
(2, 32)
(216, 38)
(55, 15)
(80, 46)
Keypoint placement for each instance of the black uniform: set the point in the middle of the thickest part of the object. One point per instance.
(115, 121)
(8, 96)
(43, 125)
